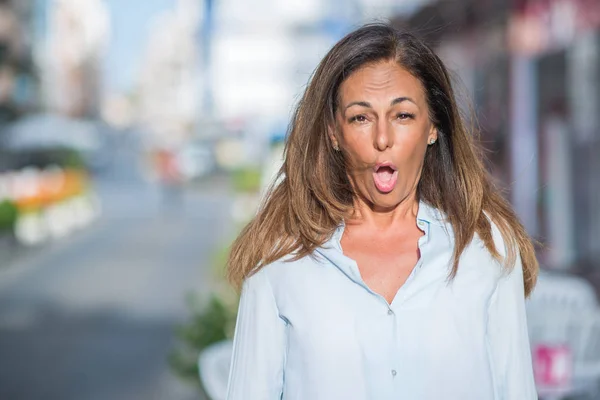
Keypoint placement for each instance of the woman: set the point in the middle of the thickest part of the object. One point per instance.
(384, 264)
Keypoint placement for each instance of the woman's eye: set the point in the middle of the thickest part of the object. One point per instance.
(404, 116)
(359, 119)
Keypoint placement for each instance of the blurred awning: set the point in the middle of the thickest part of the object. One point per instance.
(49, 131)
(437, 20)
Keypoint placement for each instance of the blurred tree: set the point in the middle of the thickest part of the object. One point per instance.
(8, 216)
(211, 322)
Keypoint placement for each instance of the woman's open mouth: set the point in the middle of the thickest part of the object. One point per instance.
(385, 176)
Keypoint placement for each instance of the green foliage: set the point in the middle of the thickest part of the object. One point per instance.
(211, 322)
(246, 179)
(71, 158)
(219, 261)
(8, 215)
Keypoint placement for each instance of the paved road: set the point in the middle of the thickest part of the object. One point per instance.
(92, 317)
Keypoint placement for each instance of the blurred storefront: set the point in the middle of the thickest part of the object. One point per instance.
(557, 43)
(50, 56)
(17, 73)
(50, 59)
(532, 70)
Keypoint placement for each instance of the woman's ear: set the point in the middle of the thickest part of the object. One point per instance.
(333, 138)
(433, 135)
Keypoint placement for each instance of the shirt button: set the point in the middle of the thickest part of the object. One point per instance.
(394, 372)
(390, 312)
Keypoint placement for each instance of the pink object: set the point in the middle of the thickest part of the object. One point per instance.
(553, 365)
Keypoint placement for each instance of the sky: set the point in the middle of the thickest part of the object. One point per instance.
(130, 20)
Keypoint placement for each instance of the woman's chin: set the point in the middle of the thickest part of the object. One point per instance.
(385, 201)
(381, 201)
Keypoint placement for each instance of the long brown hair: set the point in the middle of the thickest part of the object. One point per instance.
(314, 195)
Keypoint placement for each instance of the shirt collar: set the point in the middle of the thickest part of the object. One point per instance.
(430, 214)
(426, 213)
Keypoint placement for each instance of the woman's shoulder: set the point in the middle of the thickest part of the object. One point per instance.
(497, 264)
(288, 279)
(287, 268)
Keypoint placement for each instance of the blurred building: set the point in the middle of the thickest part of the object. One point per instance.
(228, 68)
(169, 87)
(73, 35)
(17, 72)
(532, 68)
(260, 61)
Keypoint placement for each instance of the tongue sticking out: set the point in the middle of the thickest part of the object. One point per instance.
(385, 174)
(385, 179)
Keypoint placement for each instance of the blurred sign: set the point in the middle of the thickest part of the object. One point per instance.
(538, 26)
(552, 365)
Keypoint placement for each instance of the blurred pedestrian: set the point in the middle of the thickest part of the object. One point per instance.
(170, 178)
(384, 265)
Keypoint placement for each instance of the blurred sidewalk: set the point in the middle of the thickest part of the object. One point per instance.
(93, 316)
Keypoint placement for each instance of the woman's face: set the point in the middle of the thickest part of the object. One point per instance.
(385, 128)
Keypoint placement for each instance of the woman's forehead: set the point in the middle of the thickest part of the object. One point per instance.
(382, 79)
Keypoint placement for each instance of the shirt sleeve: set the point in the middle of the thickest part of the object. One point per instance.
(259, 344)
(509, 340)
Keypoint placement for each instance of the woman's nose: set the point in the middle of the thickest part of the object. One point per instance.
(384, 136)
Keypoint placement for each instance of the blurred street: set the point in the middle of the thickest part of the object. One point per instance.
(138, 137)
(93, 316)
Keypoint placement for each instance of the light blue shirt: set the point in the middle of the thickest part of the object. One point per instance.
(311, 329)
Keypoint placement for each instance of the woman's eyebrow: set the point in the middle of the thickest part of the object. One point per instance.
(366, 104)
(358, 103)
(399, 100)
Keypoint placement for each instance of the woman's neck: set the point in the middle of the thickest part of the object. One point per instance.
(369, 215)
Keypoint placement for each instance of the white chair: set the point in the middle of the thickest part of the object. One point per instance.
(213, 364)
(579, 330)
(564, 310)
